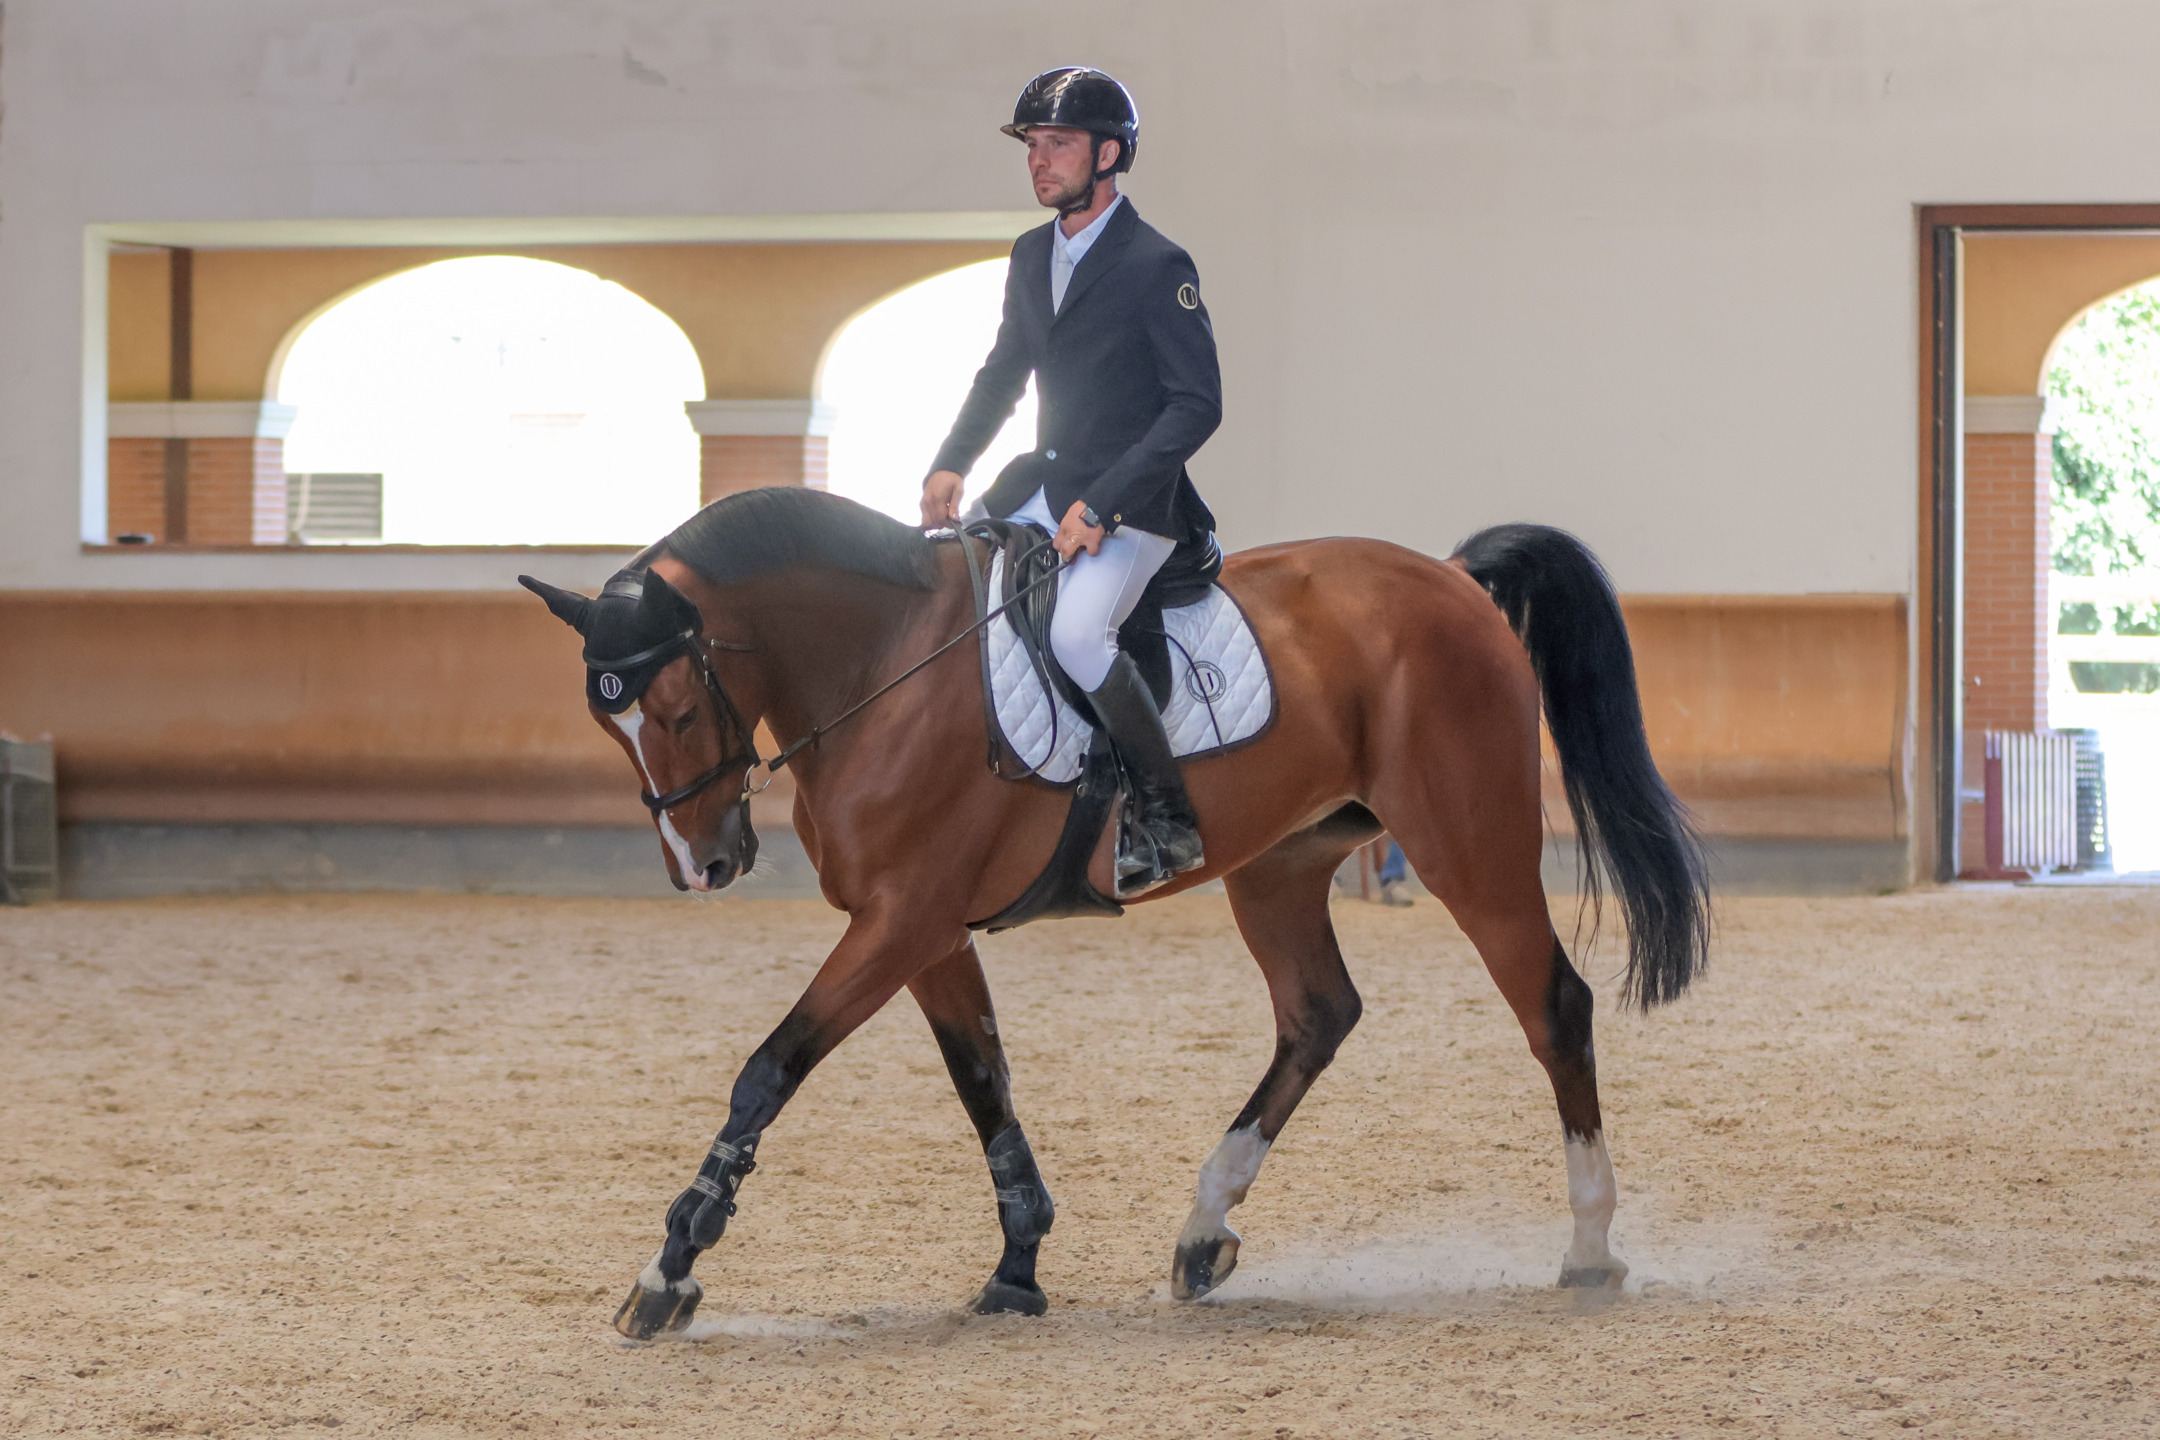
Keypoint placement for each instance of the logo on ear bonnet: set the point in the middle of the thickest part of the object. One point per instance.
(611, 686)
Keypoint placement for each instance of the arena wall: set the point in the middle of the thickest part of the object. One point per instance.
(758, 315)
(1775, 717)
(1642, 270)
(2023, 291)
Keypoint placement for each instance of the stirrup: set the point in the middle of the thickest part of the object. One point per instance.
(1140, 866)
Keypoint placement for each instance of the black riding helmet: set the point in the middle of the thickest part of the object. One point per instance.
(1080, 98)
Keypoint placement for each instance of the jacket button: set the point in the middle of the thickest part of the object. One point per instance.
(1049, 454)
(1119, 519)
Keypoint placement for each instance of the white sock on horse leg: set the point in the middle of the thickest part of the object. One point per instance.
(1593, 1194)
(1225, 1176)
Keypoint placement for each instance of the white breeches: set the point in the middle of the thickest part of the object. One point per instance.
(1096, 593)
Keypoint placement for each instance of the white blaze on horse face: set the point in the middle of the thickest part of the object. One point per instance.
(632, 724)
(1225, 1176)
(1592, 1195)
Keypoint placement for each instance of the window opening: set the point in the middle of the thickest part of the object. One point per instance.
(895, 376)
(493, 400)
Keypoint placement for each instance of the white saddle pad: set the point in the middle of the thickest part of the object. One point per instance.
(1220, 692)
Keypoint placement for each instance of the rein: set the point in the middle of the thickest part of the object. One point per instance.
(844, 716)
(693, 644)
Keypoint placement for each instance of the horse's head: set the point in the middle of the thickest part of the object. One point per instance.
(649, 682)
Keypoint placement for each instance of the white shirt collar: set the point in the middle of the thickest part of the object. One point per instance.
(1076, 247)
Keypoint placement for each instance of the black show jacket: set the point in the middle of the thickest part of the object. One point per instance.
(1127, 382)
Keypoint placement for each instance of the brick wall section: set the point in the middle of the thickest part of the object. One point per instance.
(1972, 813)
(2008, 548)
(728, 463)
(2008, 480)
(236, 491)
(270, 526)
(135, 488)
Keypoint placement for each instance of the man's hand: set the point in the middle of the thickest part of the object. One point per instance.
(941, 498)
(1075, 534)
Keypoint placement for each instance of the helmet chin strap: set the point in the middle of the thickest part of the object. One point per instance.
(1085, 201)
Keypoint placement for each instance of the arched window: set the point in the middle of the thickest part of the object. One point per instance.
(2103, 373)
(503, 401)
(895, 376)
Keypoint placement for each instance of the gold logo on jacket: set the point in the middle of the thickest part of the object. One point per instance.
(1188, 296)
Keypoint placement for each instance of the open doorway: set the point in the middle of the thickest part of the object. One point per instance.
(2103, 388)
(2040, 542)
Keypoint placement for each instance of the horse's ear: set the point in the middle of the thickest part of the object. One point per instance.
(666, 610)
(570, 607)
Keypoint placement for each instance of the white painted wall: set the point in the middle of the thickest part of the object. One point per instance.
(1643, 268)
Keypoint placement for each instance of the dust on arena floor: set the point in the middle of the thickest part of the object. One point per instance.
(387, 1165)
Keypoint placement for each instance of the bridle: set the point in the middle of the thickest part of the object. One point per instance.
(690, 643)
(695, 645)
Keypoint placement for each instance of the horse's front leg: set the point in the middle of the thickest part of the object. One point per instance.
(955, 999)
(1281, 904)
(872, 961)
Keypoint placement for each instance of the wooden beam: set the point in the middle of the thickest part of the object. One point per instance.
(182, 383)
(180, 386)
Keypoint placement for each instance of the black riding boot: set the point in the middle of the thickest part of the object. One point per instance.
(1160, 837)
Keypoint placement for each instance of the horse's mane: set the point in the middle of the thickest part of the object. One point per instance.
(757, 532)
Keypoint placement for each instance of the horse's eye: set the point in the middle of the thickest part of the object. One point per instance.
(689, 718)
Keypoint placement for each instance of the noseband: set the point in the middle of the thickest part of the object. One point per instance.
(747, 757)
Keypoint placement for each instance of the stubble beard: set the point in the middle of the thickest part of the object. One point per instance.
(1074, 198)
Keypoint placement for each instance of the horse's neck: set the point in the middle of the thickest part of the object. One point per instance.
(826, 638)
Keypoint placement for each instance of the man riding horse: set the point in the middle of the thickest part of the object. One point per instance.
(1407, 694)
(1106, 314)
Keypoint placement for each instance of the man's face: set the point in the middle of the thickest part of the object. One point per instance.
(1061, 162)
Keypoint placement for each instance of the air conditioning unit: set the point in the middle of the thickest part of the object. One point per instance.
(321, 505)
(29, 823)
(2032, 801)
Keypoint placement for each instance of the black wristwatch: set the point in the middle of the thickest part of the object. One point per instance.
(1089, 518)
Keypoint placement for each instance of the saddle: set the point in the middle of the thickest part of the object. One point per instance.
(1184, 579)
(1018, 557)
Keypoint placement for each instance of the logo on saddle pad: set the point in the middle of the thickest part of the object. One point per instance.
(611, 686)
(1206, 681)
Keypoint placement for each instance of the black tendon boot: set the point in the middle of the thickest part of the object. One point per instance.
(1160, 837)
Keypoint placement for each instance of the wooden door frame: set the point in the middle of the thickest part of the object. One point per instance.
(1938, 682)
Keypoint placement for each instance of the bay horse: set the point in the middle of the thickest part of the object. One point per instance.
(1408, 695)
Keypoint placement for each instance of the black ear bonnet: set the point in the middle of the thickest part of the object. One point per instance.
(632, 630)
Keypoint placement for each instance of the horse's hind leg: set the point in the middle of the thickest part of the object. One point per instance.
(1553, 1005)
(1281, 904)
(955, 999)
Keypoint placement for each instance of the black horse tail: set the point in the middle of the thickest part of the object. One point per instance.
(1629, 827)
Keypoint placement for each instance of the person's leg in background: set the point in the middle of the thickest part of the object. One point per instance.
(1394, 875)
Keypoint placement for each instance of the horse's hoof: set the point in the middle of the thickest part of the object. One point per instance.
(647, 1313)
(1003, 1297)
(1592, 1277)
(1202, 1265)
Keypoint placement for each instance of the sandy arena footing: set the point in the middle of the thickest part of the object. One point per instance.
(387, 1164)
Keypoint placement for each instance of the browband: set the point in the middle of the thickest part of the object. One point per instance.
(676, 644)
